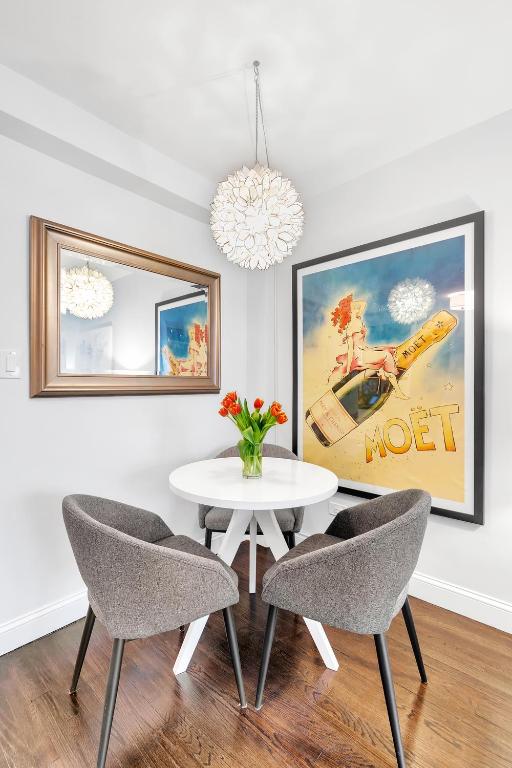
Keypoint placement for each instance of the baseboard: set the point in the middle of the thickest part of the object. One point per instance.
(35, 624)
(467, 602)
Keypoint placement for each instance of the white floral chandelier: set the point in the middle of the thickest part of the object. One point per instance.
(85, 292)
(256, 216)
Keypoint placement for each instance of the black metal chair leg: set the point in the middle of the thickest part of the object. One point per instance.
(413, 637)
(235, 655)
(82, 650)
(110, 700)
(389, 694)
(208, 538)
(291, 540)
(265, 656)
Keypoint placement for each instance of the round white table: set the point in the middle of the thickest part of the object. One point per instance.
(285, 483)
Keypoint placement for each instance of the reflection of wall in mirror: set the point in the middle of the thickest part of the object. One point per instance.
(86, 345)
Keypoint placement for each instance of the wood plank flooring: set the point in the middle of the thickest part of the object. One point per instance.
(312, 717)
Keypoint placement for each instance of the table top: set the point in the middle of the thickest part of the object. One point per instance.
(285, 483)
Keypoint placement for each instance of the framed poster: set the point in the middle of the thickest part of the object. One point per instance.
(181, 335)
(389, 365)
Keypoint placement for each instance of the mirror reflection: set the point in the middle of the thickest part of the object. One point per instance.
(117, 319)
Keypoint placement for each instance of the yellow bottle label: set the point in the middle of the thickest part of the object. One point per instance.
(430, 333)
(331, 417)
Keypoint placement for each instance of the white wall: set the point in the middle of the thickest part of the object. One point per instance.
(124, 447)
(119, 447)
(462, 566)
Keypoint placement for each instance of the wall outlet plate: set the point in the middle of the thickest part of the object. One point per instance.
(335, 507)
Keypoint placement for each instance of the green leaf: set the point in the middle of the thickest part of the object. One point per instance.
(248, 434)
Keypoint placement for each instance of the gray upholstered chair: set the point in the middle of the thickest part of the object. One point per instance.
(142, 580)
(217, 519)
(355, 576)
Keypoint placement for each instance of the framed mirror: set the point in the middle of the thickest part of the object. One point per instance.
(109, 319)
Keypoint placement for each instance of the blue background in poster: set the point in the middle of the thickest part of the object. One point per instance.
(441, 263)
(174, 323)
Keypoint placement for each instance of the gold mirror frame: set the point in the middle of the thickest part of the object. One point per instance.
(46, 240)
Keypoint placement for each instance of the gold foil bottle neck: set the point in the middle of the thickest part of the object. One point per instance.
(435, 329)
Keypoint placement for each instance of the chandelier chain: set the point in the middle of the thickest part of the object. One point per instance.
(259, 113)
(256, 106)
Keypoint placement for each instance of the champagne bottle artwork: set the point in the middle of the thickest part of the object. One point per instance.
(367, 376)
(389, 365)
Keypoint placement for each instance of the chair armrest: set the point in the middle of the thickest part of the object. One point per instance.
(202, 510)
(354, 585)
(298, 513)
(139, 523)
(364, 517)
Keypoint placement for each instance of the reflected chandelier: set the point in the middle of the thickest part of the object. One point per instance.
(411, 300)
(85, 292)
(256, 215)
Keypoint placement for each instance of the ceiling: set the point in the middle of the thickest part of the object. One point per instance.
(347, 85)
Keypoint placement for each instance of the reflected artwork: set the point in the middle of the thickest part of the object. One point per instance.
(182, 336)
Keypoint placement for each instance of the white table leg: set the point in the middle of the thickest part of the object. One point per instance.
(235, 534)
(233, 537)
(274, 538)
(276, 541)
(252, 555)
(322, 643)
(188, 646)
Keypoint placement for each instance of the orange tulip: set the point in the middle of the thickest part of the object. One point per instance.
(232, 396)
(275, 408)
(227, 402)
(223, 411)
(282, 418)
(258, 403)
(235, 408)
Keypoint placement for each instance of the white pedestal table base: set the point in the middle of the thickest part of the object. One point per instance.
(235, 534)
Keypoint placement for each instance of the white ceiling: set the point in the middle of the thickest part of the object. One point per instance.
(347, 85)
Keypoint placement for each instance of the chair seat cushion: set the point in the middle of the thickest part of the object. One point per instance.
(192, 547)
(218, 519)
(311, 544)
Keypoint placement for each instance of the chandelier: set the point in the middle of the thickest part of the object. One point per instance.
(256, 215)
(411, 300)
(85, 292)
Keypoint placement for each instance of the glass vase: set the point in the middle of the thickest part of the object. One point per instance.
(252, 458)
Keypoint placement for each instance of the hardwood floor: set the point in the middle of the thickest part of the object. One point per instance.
(311, 716)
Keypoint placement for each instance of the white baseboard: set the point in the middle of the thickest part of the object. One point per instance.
(475, 605)
(34, 624)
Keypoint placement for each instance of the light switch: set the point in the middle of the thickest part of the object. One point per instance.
(9, 364)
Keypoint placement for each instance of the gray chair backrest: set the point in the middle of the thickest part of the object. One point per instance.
(274, 451)
(137, 588)
(363, 579)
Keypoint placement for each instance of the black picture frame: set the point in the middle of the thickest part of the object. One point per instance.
(477, 221)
